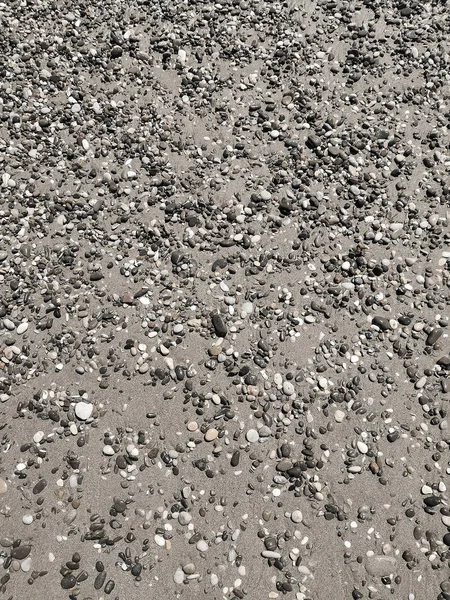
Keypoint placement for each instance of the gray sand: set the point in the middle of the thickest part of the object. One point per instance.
(224, 271)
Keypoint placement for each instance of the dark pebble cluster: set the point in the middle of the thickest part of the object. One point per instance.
(225, 283)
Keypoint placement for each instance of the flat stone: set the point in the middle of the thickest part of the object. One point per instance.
(3, 486)
(380, 566)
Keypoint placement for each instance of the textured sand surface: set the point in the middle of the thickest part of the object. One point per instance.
(224, 293)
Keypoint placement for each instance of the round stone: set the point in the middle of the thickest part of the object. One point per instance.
(211, 435)
(297, 516)
(184, 518)
(288, 388)
(252, 436)
(84, 410)
(202, 546)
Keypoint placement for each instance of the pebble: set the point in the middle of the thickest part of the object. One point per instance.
(380, 566)
(339, 416)
(202, 546)
(27, 519)
(288, 388)
(184, 518)
(3, 486)
(20, 552)
(297, 516)
(22, 328)
(211, 435)
(84, 410)
(252, 436)
(178, 576)
(362, 447)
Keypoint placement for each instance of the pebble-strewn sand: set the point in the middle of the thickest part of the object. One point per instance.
(224, 300)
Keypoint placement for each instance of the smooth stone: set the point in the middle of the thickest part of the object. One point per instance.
(40, 486)
(270, 554)
(189, 569)
(68, 582)
(362, 447)
(433, 336)
(288, 388)
(27, 519)
(20, 552)
(178, 576)
(184, 518)
(22, 327)
(252, 436)
(339, 416)
(3, 486)
(381, 322)
(25, 565)
(297, 516)
(284, 465)
(219, 325)
(38, 437)
(84, 410)
(211, 435)
(380, 566)
(108, 450)
(202, 546)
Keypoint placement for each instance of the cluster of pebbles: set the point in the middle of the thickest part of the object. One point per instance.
(225, 282)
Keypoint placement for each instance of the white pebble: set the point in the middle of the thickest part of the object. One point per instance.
(252, 436)
(339, 416)
(297, 516)
(38, 436)
(362, 447)
(84, 410)
(22, 327)
(202, 546)
(288, 388)
(25, 565)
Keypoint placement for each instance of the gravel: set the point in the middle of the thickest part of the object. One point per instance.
(224, 272)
